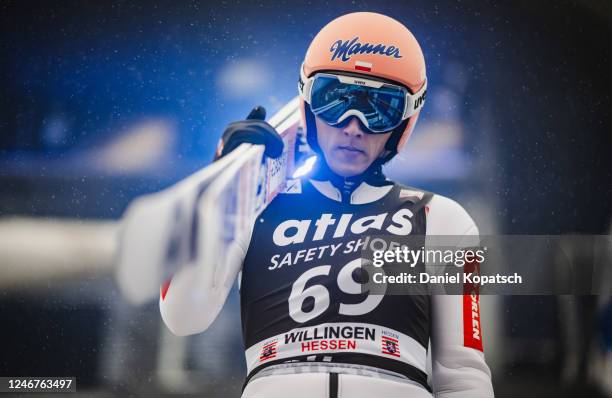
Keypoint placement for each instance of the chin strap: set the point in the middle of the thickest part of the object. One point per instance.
(346, 185)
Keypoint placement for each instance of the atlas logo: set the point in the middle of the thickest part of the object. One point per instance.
(295, 231)
(347, 48)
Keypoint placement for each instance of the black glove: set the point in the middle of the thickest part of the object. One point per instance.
(253, 130)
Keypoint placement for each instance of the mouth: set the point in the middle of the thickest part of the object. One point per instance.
(350, 149)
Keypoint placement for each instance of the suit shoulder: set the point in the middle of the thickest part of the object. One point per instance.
(447, 217)
(417, 196)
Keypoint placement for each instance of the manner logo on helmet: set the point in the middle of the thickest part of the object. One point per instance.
(347, 48)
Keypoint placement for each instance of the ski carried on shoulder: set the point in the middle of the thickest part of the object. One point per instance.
(199, 220)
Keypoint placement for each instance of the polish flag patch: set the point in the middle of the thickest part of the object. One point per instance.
(363, 66)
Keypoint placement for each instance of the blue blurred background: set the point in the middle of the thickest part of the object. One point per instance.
(104, 101)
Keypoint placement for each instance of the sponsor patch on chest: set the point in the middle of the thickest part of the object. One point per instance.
(330, 226)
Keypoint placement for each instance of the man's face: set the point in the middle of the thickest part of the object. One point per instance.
(348, 150)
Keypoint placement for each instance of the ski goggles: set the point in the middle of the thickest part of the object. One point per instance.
(379, 105)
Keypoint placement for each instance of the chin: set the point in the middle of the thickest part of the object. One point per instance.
(347, 170)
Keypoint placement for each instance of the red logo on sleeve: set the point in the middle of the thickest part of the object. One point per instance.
(472, 333)
(164, 289)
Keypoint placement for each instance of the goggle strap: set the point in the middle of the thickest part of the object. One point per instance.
(415, 101)
(304, 85)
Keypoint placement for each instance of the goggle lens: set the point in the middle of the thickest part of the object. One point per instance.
(379, 108)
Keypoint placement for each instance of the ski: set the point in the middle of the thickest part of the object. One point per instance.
(196, 221)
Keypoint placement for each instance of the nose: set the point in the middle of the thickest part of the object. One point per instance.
(353, 128)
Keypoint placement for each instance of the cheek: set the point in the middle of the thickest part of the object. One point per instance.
(377, 143)
(324, 136)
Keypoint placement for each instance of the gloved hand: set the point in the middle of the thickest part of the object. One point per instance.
(253, 130)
